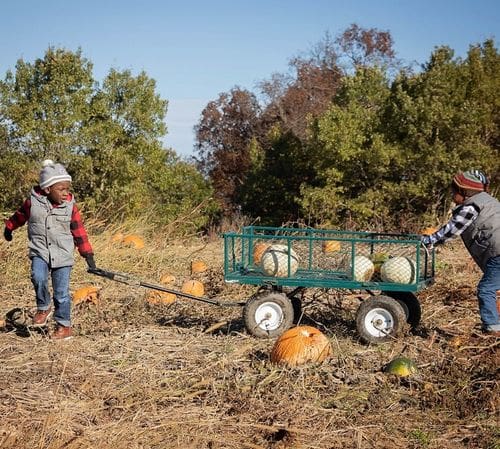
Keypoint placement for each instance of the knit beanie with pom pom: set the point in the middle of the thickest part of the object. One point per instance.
(52, 173)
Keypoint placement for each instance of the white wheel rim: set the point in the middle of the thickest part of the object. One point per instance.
(269, 316)
(379, 322)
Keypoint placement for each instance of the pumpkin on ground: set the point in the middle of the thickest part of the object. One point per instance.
(258, 250)
(89, 293)
(193, 287)
(117, 238)
(401, 366)
(276, 260)
(158, 297)
(330, 246)
(133, 241)
(400, 270)
(167, 279)
(300, 345)
(428, 231)
(198, 266)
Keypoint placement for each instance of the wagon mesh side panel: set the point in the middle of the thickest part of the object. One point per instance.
(326, 258)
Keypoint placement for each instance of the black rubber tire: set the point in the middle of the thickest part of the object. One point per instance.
(379, 319)
(297, 309)
(268, 315)
(411, 306)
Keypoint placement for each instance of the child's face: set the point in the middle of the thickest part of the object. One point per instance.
(458, 198)
(59, 192)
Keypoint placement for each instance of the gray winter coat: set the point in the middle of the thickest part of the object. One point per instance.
(49, 231)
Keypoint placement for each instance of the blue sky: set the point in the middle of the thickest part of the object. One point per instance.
(197, 49)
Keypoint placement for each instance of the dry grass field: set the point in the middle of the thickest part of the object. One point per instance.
(188, 375)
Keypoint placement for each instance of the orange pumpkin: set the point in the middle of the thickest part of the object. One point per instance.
(193, 287)
(167, 279)
(258, 250)
(300, 345)
(330, 246)
(428, 231)
(118, 237)
(134, 241)
(86, 294)
(158, 297)
(198, 266)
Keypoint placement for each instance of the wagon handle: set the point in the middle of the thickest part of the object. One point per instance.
(129, 280)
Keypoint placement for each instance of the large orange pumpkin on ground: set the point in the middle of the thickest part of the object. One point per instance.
(86, 294)
(300, 345)
(193, 287)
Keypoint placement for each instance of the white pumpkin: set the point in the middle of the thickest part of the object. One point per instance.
(400, 270)
(274, 261)
(363, 269)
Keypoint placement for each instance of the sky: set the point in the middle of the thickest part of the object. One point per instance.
(196, 50)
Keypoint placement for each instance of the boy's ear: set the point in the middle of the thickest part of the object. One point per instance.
(46, 190)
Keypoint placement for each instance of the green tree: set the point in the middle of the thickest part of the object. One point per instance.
(109, 136)
(445, 119)
(385, 153)
(351, 156)
(45, 103)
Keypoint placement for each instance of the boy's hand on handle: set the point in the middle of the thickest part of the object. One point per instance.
(426, 241)
(90, 262)
(7, 233)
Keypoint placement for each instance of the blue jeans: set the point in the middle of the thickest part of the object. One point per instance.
(486, 294)
(60, 286)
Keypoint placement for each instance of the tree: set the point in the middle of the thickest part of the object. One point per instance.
(386, 152)
(445, 119)
(351, 156)
(223, 134)
(108, 135)
(45, 103)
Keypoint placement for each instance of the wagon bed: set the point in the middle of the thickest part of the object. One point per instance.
(318, 267)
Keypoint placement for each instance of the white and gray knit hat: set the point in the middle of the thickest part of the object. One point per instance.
(52, 173)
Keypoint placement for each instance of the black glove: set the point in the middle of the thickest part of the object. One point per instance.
(7, 233)
(90, 262)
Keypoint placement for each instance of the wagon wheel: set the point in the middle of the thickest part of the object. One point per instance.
(379, 318)
(268, 315)
(410, 304)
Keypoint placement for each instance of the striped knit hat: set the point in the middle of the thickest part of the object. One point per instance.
(52, 173)
(474, 180)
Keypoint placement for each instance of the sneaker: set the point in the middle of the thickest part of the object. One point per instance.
(41, 317)
(62, 333)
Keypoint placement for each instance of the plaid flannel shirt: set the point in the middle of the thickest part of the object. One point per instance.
(461, 218)
(80, 237)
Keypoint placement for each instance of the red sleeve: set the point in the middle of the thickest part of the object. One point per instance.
(79, 234)
(20, 217)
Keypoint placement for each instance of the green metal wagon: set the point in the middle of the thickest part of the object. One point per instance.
(284, 261)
